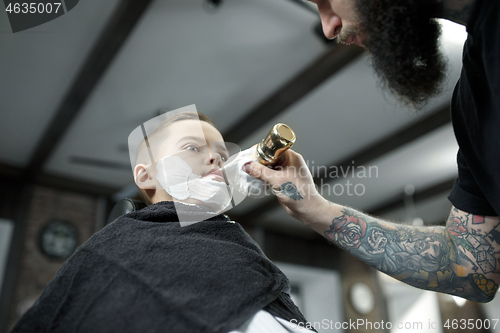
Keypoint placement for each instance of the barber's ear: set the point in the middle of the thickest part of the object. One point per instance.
(143, 177)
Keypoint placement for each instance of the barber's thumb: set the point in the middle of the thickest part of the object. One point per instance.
(256, 170)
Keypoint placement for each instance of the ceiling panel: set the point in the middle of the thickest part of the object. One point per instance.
(434, 210)
(36, 68)
(423, 163)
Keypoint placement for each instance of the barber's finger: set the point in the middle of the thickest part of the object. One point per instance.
(260, 171)
(282, 160)
(254, 169)
(289, 158)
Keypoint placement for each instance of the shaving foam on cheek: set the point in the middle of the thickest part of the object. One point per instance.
(177, 179)
(210, 191)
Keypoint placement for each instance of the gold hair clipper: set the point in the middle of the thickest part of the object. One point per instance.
(280, 139)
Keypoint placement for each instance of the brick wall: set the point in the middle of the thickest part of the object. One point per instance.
(36, 269)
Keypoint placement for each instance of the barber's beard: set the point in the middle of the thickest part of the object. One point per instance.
(403, 41)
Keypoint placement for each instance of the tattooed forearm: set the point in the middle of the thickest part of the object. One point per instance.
(291, 191)
(462, 259)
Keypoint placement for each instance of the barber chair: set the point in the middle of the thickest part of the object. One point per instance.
(124, 206)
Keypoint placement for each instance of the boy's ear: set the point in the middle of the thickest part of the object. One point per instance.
(143, 178)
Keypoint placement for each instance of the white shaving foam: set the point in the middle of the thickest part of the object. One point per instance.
(177, 179)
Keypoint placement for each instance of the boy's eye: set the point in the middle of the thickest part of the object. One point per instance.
(192, 147)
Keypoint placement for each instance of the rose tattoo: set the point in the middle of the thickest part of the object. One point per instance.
(347, 231)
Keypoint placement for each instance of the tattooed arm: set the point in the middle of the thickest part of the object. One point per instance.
(461, 259)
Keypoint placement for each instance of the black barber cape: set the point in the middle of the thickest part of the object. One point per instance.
(144, 272)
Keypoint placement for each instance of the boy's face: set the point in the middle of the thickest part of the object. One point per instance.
(187, 168)
(198, 144)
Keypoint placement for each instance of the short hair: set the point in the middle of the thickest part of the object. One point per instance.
(151, 143)
(156, 138)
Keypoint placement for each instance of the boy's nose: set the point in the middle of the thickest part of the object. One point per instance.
(216, 159)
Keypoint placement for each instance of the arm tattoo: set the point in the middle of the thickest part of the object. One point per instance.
(459, 259)
(291, 191)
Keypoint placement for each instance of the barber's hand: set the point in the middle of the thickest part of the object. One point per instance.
(292, 183)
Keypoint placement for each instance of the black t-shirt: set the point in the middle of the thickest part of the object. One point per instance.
(476, 114)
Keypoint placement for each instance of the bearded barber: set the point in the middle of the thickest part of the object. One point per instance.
(401, 36)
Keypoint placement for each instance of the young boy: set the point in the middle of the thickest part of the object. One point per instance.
(181, 160)
(147, 272)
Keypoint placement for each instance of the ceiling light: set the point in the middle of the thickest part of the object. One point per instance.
(453, 32)
(459, 300)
